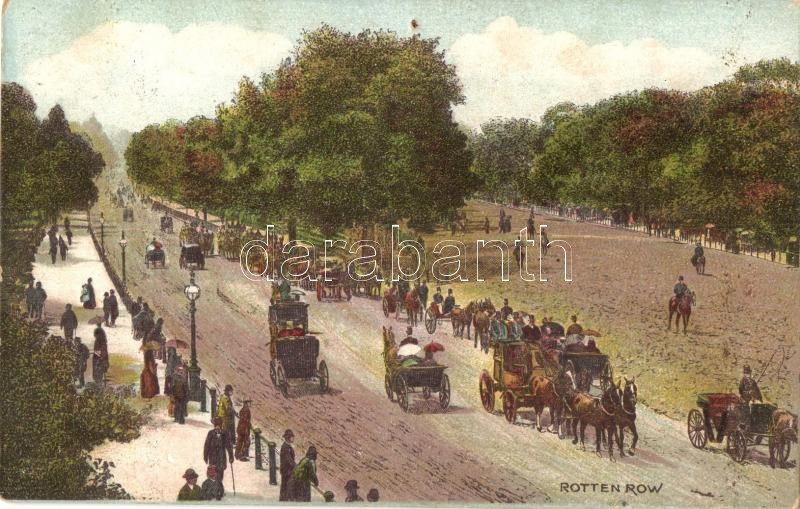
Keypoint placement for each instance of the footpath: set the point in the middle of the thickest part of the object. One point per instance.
(150, 468)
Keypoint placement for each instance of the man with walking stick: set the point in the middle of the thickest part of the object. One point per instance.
(215, 449)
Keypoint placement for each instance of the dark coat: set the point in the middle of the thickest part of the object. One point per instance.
(113, 305)
(212, 489)
(180, 391)
(69, 320)
(190, 494)
(217, 444)
(287, 466)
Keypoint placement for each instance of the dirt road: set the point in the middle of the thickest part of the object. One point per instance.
(463, 455)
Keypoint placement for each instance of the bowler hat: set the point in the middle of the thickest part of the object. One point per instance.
(747, 370)
(288, 433)
(352, 484)
(190, 474)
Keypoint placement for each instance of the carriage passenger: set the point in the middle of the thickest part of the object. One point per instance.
(409, 339)
(497, 329)
(449, 302)
(437, 301)
(531, 332)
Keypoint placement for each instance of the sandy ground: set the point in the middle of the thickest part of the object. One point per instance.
(465, 454)
(150, 467)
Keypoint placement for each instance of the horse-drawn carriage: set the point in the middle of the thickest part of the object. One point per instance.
(154, 256)
(166, 224)
(591, 371)
(410, 376)
(725, 416)
(402, 299)
(192, 257)
(331, 284)
(293, 352)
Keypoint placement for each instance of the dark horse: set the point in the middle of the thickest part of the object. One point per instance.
(626, 415)
(683, 307)
(699, 264)
(600, 413)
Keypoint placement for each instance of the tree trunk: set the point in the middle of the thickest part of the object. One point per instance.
(205, 215)
(291, 227)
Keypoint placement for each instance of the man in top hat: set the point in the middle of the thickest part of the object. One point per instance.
(215, 449)
(449, 302)
(506, 310)
(352, 491)
(226, 412)
(698, 252)
(409, 339)
(748, 387)
(243, 432)
(191, 491)
(287, 465)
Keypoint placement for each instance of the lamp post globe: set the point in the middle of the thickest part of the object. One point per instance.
(123, 242)
(192, 293)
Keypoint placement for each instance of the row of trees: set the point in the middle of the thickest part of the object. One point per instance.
(351, 130)
(47, 428)
(728, 154)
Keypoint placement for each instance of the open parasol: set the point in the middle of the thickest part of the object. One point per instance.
(592, 332)
(434, 347)
(409, 349)
(177, 343)
(150, 345)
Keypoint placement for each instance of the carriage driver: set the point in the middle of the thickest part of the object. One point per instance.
(748, 387)
(437, 301)
(449, 302)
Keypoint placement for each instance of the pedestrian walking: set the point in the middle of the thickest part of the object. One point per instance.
(169, 369)
(148, 380)
(304, 475)
(180, 394)
(191, 491)
(62, 247)
(53, 248)
(68, 233)
(87, 295)
(212, 489)
(287, 465)
(113, 306)
(226, 412)
(39, 297)
(218, 450)
(243, 432)
(136, 306)
(30, 299)
(100, 359)
(81, 358)
(106, 309)
(69, 322)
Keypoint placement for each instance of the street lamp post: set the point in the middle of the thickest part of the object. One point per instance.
(192, 292)
(122, 243)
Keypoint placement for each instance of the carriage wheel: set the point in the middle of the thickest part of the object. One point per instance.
(280, 378)
(444, 393)
(486, 387)
(510, 407)
(607, 376)
(402, 393)
(324, 378)
(430, 321)
(387, 384)
(736, 445)
(426, 392)
(696, 428)
(272, 373)
(385, 306)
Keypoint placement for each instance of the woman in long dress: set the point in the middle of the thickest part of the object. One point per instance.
(149, 378)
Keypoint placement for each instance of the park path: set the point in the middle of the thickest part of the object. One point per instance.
(150, 467)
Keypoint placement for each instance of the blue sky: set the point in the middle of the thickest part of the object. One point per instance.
(35, 32)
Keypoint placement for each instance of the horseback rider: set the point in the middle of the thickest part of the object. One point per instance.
(698, 252)
(680, 289)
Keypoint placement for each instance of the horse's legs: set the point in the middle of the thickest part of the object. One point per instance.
(685, 321)
(574, 430)
(669, 320)
(635, 438)
(583, 436)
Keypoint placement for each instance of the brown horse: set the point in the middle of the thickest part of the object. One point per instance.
(683, 308)
(413, 307)
(462, 317)
(600, 413)
(784, 431)
(626, 414)
(480, 321)
(699, 264)
(544, 394)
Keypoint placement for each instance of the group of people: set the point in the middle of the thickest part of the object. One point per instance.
(504, 224)
(34, 300)
(99, 353)
(57, 243)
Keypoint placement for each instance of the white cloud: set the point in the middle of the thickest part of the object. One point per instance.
(131, 74)
(509, 70)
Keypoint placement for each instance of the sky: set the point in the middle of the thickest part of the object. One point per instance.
(134, 63)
